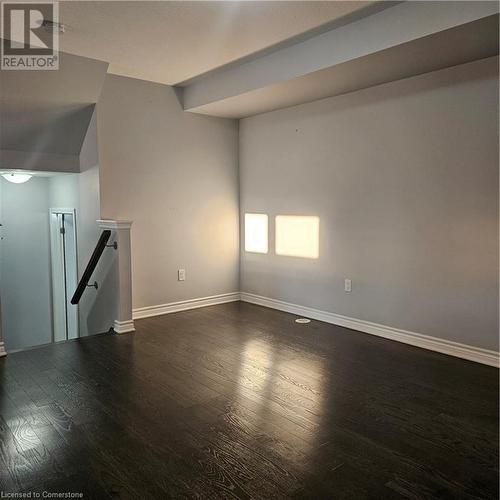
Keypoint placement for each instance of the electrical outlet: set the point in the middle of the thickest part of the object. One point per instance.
(181, 275)
(347, 285)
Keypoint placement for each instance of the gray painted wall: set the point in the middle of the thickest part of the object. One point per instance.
(25, 283)
(65, 192)
(175, 174)
(25, 260)
(97, 307)
(25, 277)
(404, 178)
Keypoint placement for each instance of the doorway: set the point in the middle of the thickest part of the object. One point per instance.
(64, 272)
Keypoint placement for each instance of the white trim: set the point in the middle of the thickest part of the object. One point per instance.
(57, 210)
(183, 305)
(114, 224)
(124, 326)
(471, 353)
(3, 352)
(54, 242)
(448, 347)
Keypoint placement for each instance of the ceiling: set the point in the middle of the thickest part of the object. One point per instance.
(172, 41)
(45, 114)
(459, 45)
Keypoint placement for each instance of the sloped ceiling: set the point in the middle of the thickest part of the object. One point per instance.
(405, 39)
(172, 41)
(245, 57)
(466, 43)
(48, 112)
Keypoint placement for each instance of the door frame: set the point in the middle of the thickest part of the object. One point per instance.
(54, 240)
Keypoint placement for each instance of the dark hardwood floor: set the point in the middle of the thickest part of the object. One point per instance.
(238, 401)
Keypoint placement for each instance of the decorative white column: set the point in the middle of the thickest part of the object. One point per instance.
(121, 231)
(2, 345)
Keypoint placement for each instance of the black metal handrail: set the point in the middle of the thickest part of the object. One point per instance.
(94, 260)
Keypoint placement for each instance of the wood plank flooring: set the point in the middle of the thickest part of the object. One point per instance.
(238, 401)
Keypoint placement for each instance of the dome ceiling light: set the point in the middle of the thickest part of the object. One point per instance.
(17, 178)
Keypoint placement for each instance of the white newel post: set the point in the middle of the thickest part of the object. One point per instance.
(121, 229)
(2, 345)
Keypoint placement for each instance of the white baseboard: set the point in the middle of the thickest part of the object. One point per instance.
(124, 326)
(456, 349)
(464, 351)
(184, 305)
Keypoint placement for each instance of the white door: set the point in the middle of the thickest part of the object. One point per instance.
(64, 273)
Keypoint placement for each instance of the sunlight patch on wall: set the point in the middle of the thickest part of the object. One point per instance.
(297, 236)
(256, 233)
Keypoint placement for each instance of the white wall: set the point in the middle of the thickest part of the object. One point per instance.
(25, 284)
(25, 260)
(64, 191)
(175, 175)
(404, 178)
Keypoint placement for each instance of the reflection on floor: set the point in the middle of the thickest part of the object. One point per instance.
(238, 401)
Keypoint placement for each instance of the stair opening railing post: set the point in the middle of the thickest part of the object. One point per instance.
(124, 322)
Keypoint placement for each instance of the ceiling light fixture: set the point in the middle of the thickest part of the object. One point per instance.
(17, 178)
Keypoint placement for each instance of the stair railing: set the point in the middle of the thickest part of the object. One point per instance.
(92, 264)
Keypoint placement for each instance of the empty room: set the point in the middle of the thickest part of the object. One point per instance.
(249, 250)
